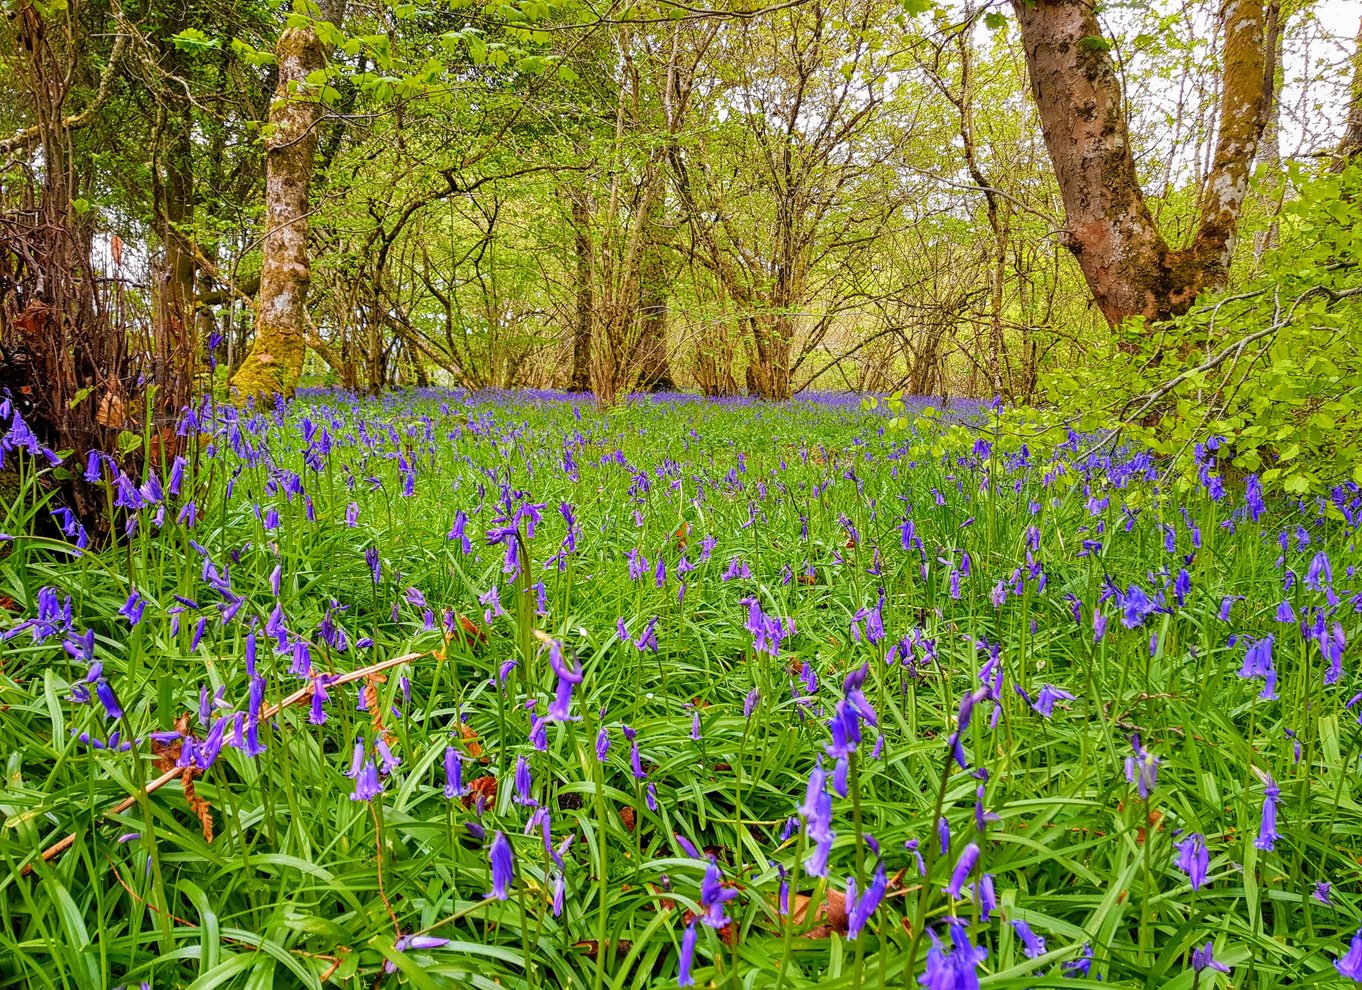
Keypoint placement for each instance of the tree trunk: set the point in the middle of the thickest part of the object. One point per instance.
(175, 347)
(1270, 147)
(1129, 268)
(1351, 146)
(581, 327)
(275, 361)
(654, 369)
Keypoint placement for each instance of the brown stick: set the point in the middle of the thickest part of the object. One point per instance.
(267, 712)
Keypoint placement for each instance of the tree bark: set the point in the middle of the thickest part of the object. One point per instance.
(1350, 147)
(1129, 267)
(581, 327)
(275, 361)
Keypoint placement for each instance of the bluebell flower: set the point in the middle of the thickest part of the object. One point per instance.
(454, 786)
(969, 856)
(524, 783)
(683, 976)
(713, 896)
(859, 912)
(568, 677)
(1032, 944)
(1193, 859)
(503, 867)
(1267, 830)
(1045, 700)
(1204, 958)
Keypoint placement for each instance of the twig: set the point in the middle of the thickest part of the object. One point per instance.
(267, 712)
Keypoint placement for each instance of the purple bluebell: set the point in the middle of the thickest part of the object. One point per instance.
(524, 783)
(1135, 607)
(986, 896)
(969, 856)
(1045, 700)
(1142, 769)
(568, 677)
(859, 912)
(1193, 859)
(388, 762)
(503, 866)
(105, 693)
(956, 969)
(367, 784)
(683, 975)
(647, 640)
(453, 772)
(317, 715)
(1204, 958)
(1267, 830)
(133, 608)
(1032, 944)
(713, 896)
(1082, 966)
(913, 847)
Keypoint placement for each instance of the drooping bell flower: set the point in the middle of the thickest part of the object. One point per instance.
(956, 969)
(865, 905)
(454, 786)
(317, 716)
(1142, 768)
(105, 693)
(1193, 859)
(969, 856)
(568, 677)
(683, 976)
(1267, 830)
(647, 640)
(406, 942)
(1045, 700)
(1204, 958)
(1082, 966)
(502, 861)
(524, 783)
(1258, 663)
(387, 760)
(1135, 607)
(1032, 944)
(713, 896)
(367, 784)
(133, 608)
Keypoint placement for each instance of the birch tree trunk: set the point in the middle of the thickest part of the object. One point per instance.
(275, 361)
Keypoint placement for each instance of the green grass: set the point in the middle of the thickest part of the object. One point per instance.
(303, 886)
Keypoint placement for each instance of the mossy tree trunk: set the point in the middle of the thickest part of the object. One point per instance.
(1129, 267)
(275, 361)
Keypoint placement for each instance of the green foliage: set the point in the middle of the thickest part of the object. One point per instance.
(1272, 366)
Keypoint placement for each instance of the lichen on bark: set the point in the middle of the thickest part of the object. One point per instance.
(275, 361)
(1130, 268)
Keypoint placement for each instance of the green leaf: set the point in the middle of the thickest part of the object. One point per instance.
(194, 41)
